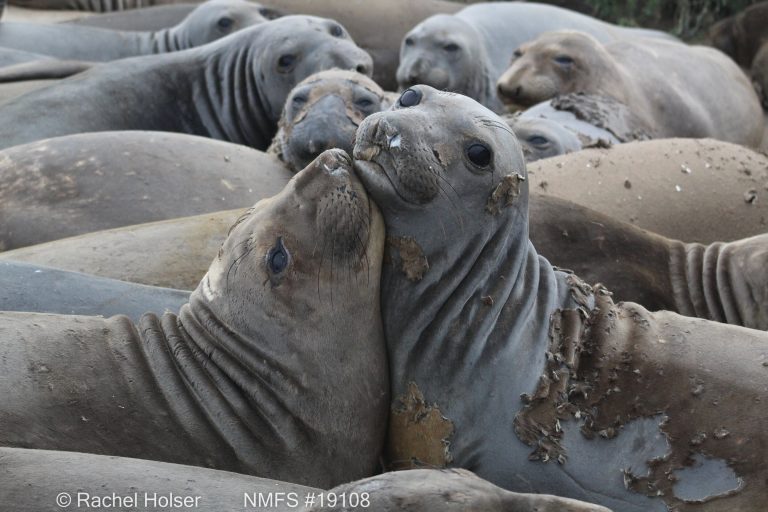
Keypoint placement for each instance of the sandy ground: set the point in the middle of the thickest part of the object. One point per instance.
(12, 13)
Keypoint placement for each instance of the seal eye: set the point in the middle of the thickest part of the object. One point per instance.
(336, 31)
(277, 258)
(517, 53)
(409, 98)
(538, 140)
(286, 63)
(451, 47)
(408, 41)
(225, 23)
(479, 155)
(299, 99)
(364, 103)
(564, 60)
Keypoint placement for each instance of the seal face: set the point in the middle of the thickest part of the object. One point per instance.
(323, 112)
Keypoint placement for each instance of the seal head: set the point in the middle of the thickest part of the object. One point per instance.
(215, 19)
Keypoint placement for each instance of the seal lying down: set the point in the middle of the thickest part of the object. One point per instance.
(524, 374)
(262, 372)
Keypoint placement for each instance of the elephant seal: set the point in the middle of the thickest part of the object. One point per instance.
(12, 90)
(467, 52)
(570, 393)
(233, 89)
(28, 287)
(449, 490)
(76, 184)
(261, 372)
(392, 20)
(759, 73)
(210, 21)
(323, 112)
(543, 138)
(741, 36)
(651, 77)
(33, 480)
(694, 190)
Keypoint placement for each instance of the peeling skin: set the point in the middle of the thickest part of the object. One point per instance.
(414, 262)
(605, 369)
(418, 433)
(504, 194)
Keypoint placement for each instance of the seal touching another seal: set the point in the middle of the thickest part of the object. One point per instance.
(77, 184)
(570, 393)
(543, 138)
(468, 51)
(323, 112)
(741, 36)
(653, 78)
(261, 372)
(233, 89)
(697, 190)
(210, 21)
(30, 287)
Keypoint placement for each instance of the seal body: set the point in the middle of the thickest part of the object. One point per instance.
(741, 36)
(193, 91)
(30, 287)
(513, 332)
(33, 479)
(81, 183)
(467, 52)
(650, 76)
(212, 20)
(235, 381)
(660, 185)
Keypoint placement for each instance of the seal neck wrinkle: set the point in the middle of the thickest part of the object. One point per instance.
(165, 41)
(229, 103)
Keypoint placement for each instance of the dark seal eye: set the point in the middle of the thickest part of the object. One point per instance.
(299, 99)
(538, 140)
(277, 258)
(517, 53)
(564, 60)
(286, 62)
(409, 98)
(364, 103)
(336, 31)
(408, 41)
(479, 155)
(451, 47)
(225, 23)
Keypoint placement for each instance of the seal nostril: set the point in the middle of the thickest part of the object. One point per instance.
(518, 91)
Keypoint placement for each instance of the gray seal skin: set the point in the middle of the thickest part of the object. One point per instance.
(759, 73)
(650, 76)
(232, 89)
(28, 287)
(464, 285)
(697, 190)
(323, 112)
(391, 20)
(722, 282)
(31, 480)
(210, 21)
(450, 490)
(260, 373)
(77, 184)
(468, 51)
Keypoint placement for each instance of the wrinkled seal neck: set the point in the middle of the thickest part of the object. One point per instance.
(168, 40)
(486, 290)
(228, 99)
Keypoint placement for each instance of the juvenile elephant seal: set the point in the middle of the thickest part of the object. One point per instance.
(570, 393)
(323, 112)
(210, 21)
(651, 77)
(687, 189)
(467, 52)
(543, 138)
(33, 480)
(759, 73)
(451, 490)
(29, 287)
(233, 89)
(262, 371)
(76, 184)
